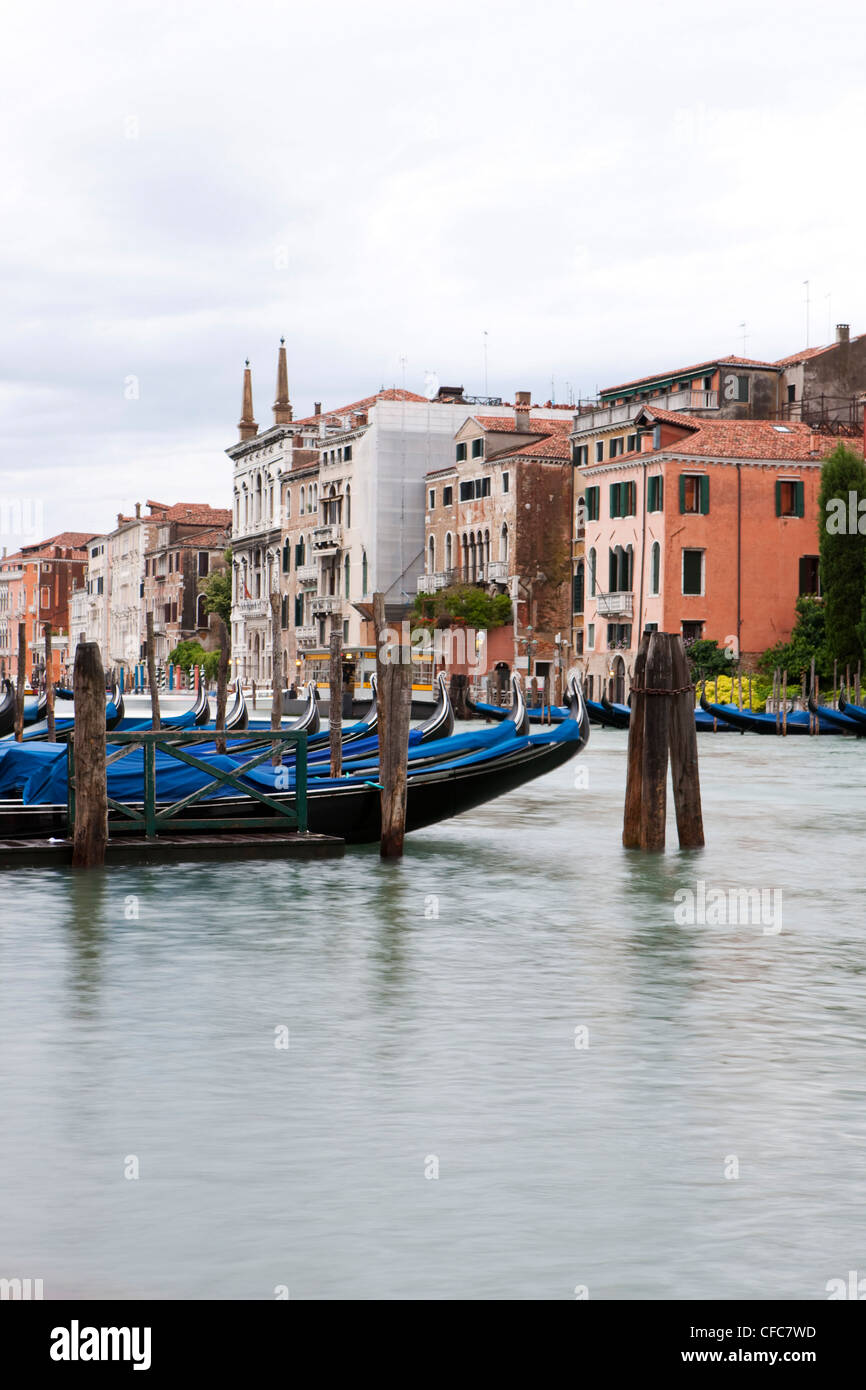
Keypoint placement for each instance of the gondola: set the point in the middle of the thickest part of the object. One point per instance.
(349, 807)
(7, 708)
(839, 719)
(238, 716)
(750, 722)
(855, 712)
(440, 724)
(201, 709)
(62, 692)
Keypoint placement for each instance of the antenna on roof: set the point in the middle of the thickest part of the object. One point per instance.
(743, 326)
(829, 299)
(806, 283)
(484, 340)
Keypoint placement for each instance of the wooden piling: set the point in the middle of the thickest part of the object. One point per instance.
(276, 677)
(656, 743)
(631, 814)
(49, 686)
(785, 703)
(684, 749)
(545, 701)
(151, 672)
(335, 704)
(814, 691)
(20, 682)
(222, 684)
(835, 685)
(394, 703)
(90, 835)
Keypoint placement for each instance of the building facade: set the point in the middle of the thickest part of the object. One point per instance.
(184, 553)
(36, 586)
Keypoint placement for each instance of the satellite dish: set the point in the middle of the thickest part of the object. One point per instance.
(431, 385)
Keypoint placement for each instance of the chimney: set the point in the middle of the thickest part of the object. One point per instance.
(138, 510)
(843, 333)
(247, 427)
(522, 402)
(282, 405)
(120, 518)
(317, 408)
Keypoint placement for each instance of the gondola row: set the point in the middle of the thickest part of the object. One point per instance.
(446, 772)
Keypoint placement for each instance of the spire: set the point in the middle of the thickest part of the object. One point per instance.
(282, 405)
(247, 426)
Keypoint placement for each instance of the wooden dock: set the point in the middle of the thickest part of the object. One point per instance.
(135, 849)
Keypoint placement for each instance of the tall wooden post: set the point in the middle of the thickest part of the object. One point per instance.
(49, 685)
(657, 713)
(631, 815)
(151, 671)
(785, 703)
(335, 704)
(20, 682)
(222, 684)
(684, 750)
(395, 702)
(277, 677)
(91, 796)
(835, 684)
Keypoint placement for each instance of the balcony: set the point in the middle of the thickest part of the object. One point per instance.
(307, 574)
(330, 536)
(497, 571)
(306, 636)
(327, 603)
(432, 583)
(606, 416)
(614, 605)
(253, 607)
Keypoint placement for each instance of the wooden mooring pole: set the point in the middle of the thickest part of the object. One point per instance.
(222, 684)
(662, 724)
(151, 671)
(335, 704)
(20, 682)
(276, 676)
(90, 835)
(49, 686)
(395, 703)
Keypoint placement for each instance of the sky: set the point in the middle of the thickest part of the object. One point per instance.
(588, 192)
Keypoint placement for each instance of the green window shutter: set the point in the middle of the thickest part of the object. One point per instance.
(682, 492)
(632, 487)
(614, 499)
(660, 493)
(651, 495)
(801, 501)
(705, 495)
(778, 499)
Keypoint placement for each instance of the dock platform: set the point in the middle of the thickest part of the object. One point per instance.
(195, 848)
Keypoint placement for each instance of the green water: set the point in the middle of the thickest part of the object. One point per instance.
(431, 1010)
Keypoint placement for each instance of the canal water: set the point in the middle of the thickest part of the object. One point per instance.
(508, 1067)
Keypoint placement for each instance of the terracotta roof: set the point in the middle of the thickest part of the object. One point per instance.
(197, 514)
(745, 439)
(74, 540)
(214, 539)
(506, 424)
(554, 444)
(729, 361)
(806, 353)
(359, 407)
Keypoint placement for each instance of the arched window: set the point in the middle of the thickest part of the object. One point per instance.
(503, 543)
(448, 555)
(431, 555)
(473, 556)
(464, 572)
(487, 547)
(655, 567)
(364, 575)
(346, 577)
(303, 498)
(201, 615)
(286, 557)
(592, 574)
(348, 506)
(577, 589)
(257, 513)
(288, 502)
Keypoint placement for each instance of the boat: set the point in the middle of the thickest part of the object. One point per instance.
(7, 708)
(840, 719)
(349, 806)
(855, 712)
(751, 722)
(616, 716)
(238, 716)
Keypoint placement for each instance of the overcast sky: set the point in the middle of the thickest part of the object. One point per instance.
(603, 189)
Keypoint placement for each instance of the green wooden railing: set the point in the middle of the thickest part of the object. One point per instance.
(158, 817)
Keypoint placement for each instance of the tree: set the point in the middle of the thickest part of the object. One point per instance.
(842, 548)
(808, 640)
(707, 658)
(217, 590)
(189, 652)
(466, 604)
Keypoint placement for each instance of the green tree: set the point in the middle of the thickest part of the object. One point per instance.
(217, 590)
(707, 658)
(808, 640)
(843, 554)
(463, 603)
(189, 652)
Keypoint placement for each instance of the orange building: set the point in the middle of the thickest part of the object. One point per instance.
(36, 583)
(708, 527)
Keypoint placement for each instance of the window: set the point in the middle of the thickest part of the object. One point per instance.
(792, 394)
(431, 499)
(692, 632)
(475, 487)
(616, 447)
(203, 563)
(467, 491)
(431, 555)
(478, 448)
(580, 455)
(789, 497)
(655, 567)
(693, 572)
(364, 575)
(599, 451)
(345, 629)
(631, 443)
(284, 611)
(299, 610)
(708, 383)
(618, 636)
(592, 584)
(46, 598)
(590, 636)
(810, 574)
(694, 493)
(347, 576)
(623, 499)
(655, 493)
(577, 589)
(347, 453)
(99, 584)
(460, 453)
(503, 542)
(348, 507)
(448, 496)
(506, 481)
(591, 502)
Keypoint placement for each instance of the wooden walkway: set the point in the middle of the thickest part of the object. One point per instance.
(44, 853)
